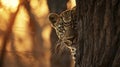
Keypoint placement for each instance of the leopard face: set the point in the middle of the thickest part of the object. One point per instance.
(57, 24)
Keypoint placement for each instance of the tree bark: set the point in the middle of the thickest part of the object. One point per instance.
(99, 33)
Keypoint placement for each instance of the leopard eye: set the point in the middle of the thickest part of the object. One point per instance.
(67, 19)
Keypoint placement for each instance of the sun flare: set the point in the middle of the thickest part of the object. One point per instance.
(10, 3)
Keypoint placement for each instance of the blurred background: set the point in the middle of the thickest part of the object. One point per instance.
(26, 36)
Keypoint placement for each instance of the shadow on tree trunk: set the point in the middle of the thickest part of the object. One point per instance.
(99, 33)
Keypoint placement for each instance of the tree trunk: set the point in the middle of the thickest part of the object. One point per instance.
(99, 33)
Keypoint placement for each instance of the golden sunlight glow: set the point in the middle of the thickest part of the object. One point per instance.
(71, 4)
(22, 41)
(4, 17)
(21, 32)
(40, 7)
(46, 36)
(10, 4)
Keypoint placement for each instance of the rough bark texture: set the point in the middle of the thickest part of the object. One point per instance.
(99, 33)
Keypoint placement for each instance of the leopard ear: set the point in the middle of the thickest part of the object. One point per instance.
(53, 17)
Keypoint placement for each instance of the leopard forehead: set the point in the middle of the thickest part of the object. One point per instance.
(66, 16)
